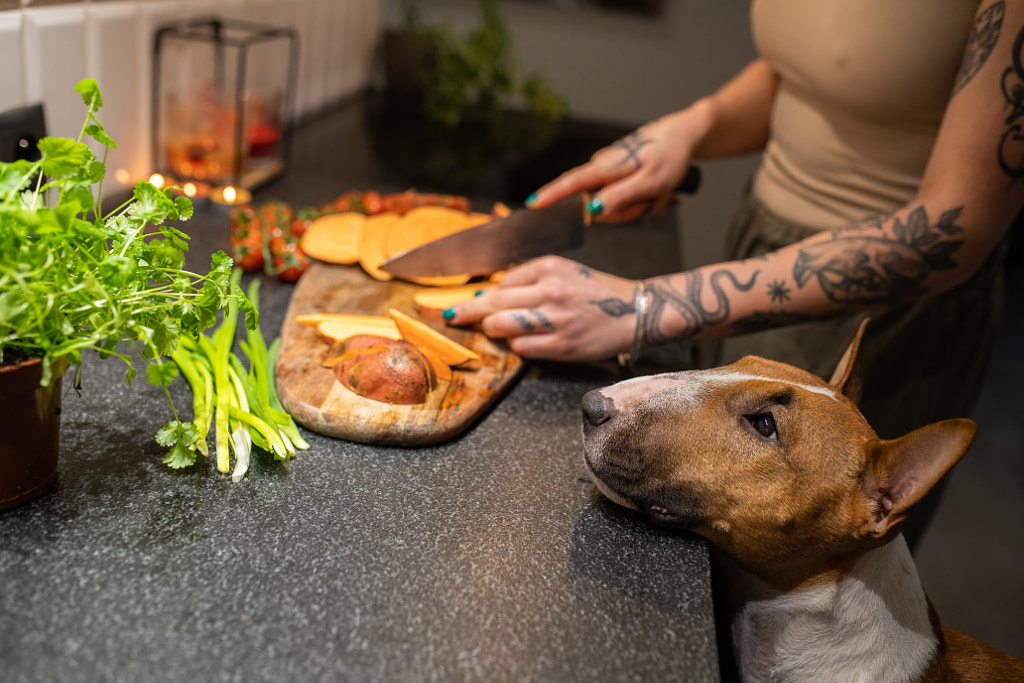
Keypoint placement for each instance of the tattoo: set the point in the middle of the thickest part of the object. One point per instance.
(982, 40)
(687, 303)
(778, 292)
(615, 308)
(583, 271)
(523, 321)
(528, 325)
(631, 144)
(1011, 153)
(542, 319)
(889, 268)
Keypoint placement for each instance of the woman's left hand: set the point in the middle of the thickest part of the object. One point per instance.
(555, 309)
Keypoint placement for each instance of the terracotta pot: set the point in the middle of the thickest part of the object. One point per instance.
(29, 426)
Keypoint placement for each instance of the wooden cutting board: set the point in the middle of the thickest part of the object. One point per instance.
(319, 402)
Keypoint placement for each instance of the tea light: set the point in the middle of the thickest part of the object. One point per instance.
(157, 180)
(194, 189)
(230, 195)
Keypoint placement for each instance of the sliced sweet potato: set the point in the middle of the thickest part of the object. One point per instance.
(475, 218)
(334, 238)
(429, 339)
(350, 319)
(431, 303)
(425, 224)
(373, 244)
(336, 327)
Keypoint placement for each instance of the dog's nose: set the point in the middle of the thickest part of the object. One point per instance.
(597, 408)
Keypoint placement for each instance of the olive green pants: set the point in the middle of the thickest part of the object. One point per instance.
(921, 362)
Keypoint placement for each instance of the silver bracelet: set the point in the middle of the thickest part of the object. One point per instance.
(628, 360)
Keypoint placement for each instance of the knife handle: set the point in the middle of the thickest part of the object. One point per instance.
(690, 182)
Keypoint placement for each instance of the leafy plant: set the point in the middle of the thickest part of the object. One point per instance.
(74, 279)
(478, 70)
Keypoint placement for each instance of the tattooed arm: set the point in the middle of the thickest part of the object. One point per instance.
(640, 171)
(971, 190)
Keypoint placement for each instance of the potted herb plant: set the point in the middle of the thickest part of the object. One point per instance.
(458, 74)
(76, 278)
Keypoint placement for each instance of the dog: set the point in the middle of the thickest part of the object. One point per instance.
(781, 473)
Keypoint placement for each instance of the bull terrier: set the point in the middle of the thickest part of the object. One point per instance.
(781, 473)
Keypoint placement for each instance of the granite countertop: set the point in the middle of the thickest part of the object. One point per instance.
(488, 557)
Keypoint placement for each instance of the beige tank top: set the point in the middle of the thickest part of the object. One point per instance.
(863, 87)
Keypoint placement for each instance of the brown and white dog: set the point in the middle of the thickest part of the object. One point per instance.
(781, 473)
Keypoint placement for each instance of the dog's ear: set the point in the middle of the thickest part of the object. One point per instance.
(846, 378)
(902, 470)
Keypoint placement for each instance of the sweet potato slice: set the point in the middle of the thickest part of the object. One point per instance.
(425, 224)
(429, 339)
(431, 303)
(373, 244)
(334, 327)
(334, 238)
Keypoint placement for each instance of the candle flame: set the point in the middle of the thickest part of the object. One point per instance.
(189, 189)
(229, 194)
(157, 180)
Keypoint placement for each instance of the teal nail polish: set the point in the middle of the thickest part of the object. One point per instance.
(531, 199)
(449, 313)
(595, 206)
(479, 292)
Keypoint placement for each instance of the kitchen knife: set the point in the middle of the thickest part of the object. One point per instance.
(500, 242)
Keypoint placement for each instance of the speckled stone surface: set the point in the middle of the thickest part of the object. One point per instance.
(488, 558)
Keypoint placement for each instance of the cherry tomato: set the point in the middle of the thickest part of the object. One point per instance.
(289, 260)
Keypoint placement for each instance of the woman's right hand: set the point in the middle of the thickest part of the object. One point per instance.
(635, 174)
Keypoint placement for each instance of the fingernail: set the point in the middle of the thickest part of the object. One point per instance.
(479, 292)
(531, 199)
(595, 206)
(449, 313)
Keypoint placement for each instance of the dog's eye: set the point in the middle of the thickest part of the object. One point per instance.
(763, 424)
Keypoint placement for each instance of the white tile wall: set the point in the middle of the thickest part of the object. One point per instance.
(47, 49)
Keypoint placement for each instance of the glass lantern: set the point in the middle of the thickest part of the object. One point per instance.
(223, 93)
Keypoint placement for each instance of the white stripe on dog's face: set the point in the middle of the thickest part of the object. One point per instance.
(688, 389)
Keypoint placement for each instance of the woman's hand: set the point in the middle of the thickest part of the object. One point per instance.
(555, 309)
(632, 175)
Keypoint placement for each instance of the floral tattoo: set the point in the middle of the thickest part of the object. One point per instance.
(982, 40)
(890, 268)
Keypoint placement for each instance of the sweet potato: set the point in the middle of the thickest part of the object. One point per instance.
(431, 303)
(334, 238)
(357, 342)
(426, 224)
(429, 339)
(373, 249)
(386, 370)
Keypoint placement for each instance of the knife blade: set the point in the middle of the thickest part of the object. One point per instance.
(501, 242)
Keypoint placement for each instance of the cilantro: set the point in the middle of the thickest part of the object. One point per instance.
(75, 279)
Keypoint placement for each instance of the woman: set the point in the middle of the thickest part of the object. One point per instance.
(891, 174)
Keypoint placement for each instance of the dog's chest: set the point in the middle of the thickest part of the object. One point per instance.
(871, 625)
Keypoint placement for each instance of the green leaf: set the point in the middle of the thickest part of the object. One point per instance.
(14, 175)
(161, 375)
(169, 434)
(184, 207)
(63, 157)
(180, 457)
(151, 204)
(90, 92)
(97, 133)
